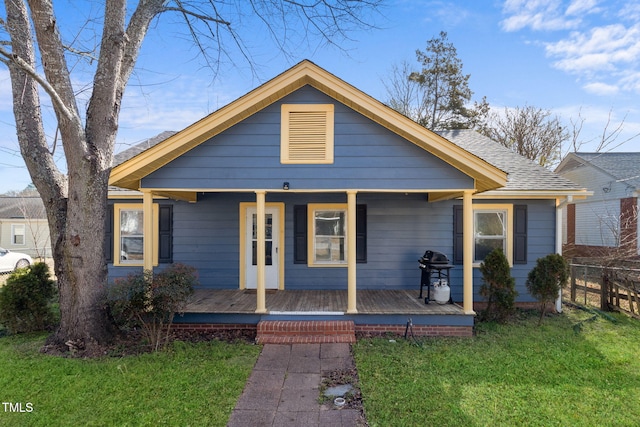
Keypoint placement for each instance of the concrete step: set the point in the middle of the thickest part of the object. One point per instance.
(305, 332)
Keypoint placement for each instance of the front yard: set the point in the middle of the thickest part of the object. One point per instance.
(190, 384)
(577, 369)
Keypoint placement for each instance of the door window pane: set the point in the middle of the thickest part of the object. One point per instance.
(268, 240)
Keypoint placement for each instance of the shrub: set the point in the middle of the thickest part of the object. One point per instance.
(498, 288)
(25, 300)
(547, 278)
(150, 301)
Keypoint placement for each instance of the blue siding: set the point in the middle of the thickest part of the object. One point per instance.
(399, 229)
(367, 156)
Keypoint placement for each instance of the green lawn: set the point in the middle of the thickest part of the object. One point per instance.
(190, 384)
(571, 371)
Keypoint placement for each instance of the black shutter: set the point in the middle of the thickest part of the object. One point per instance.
(361, 233)
(520, 234)
(165, 234)
(458, 242)
(108, 235)
(300, 234)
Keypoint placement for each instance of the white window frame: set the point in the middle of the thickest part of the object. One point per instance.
(312, 208)
(117, 209)
(15, 233)
(314, 136)
(507, 210)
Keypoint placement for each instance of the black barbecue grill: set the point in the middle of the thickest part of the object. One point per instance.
(431, 264)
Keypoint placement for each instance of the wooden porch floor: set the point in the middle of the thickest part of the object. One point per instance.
(316, 302)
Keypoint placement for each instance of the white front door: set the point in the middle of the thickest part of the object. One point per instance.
(272, 246)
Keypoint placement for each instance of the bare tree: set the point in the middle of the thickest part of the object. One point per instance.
(37, 57)
(531, 132)
(606, 141)
(33, 214)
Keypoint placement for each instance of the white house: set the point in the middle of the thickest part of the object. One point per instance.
(608, 220)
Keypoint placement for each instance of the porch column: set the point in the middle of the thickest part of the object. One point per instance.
(147, 230)
(261, 306)
(351, 252)
(467, 252)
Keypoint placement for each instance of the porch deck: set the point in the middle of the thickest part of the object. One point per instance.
(380, 302)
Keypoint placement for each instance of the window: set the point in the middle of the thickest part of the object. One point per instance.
(503, 226)
(328, 231)
(128, 234)
(18, 234)
(491, 230)
(307, 133)
(304, 235)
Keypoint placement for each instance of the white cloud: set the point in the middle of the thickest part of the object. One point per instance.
(602, 48)
(599, 88)
(631, 81)
(541, 15)
(630, 12)
(578, 7)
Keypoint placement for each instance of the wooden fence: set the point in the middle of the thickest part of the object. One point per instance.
(610, 288)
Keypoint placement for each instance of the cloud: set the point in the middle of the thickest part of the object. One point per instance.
(599, 88)
(599, 41)
(543, 15)
(602, 48)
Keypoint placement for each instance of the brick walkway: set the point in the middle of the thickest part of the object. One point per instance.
(284, 388)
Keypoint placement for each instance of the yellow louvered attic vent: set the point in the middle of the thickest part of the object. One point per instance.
(307, 133)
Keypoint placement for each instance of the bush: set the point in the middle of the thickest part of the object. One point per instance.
(547, 279)
(498, 288)
(25, 300)
(149, 301)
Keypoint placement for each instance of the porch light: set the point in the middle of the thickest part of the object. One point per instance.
(285, 185)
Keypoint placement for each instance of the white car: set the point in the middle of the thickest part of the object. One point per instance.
(10, 261)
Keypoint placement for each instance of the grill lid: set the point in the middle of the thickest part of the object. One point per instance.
(433, 257)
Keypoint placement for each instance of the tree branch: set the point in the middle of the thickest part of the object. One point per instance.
(42, 81)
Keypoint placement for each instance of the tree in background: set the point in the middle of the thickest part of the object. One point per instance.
(529, 131)
(438, 95)
(38, 58)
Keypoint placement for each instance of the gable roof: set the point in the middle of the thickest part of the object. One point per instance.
(128, 173)
(524, 175)
(622, 167)
(21, 208)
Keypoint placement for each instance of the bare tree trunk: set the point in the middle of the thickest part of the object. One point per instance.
(80, 264)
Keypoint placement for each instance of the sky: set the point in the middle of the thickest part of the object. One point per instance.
(579, 59)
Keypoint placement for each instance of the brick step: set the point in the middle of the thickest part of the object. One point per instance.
(305, 332)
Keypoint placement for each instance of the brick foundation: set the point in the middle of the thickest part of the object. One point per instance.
(417, 330)
(311, 332)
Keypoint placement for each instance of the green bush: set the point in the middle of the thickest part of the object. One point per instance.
(498, 288)
(547, 278)
(25, 300)
(150, 301)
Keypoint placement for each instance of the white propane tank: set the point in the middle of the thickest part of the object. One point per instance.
(441, 291)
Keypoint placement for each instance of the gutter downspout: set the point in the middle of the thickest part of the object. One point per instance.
(559, 206)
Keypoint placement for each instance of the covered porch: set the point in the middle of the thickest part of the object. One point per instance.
(317, 302)
(297, 312)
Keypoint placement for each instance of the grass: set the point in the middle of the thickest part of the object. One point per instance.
(575, 369)
(189, 384)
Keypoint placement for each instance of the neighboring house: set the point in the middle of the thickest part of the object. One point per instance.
(352, 193)
(24, 227)
(607, 223)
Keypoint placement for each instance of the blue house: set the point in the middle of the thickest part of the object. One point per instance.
(307, 199)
